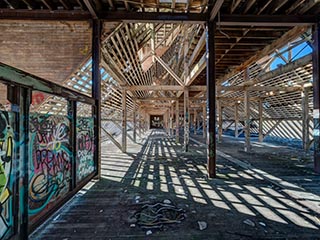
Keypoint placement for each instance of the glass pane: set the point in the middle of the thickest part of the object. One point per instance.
(49, 164)
(85, 141)
(7, 173)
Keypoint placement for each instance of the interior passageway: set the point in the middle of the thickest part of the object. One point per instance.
(240, 203)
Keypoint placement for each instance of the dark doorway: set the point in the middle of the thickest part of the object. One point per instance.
(156, 121)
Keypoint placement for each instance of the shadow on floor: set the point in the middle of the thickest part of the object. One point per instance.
(159, 170)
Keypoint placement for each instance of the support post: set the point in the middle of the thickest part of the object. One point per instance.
(198, 121)
(134, 120)
(305, 118)
(247, 146)
(204, 121)
(96, 91)
(195, 122)
(219, 107)
(124, 120)
(260, 120)
(72, 115)
(139, 122)
(25, 101)
(211, 98)
(186, 119)
(177, 121)
(316, 93)
(236, 120)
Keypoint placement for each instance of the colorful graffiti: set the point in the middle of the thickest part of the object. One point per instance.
(6, 174)
(85, 147)
(50, 164)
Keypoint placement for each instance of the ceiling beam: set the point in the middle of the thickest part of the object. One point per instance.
(73, 15)
(266, 20)
(216, 9)
(11, 75)
(91, 9)
(152, 17)
(260, 88)
(194, 88)
(169, 70)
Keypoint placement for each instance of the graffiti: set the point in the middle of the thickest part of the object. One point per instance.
(85, 147)
(50, 166)
(6, 158)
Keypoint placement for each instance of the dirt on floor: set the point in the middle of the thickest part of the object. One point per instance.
(156, 191)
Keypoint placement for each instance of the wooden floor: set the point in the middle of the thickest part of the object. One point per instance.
(243, 202)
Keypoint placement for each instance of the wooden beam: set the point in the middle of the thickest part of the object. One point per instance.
(204, 121)
(247, 146)
(169, 70)
(267, 20)
(215, 9)
(118, 145)
(152, 17)
(261, 120)
(273, 127)
(124, 121)
(288, 36)
(148, 99)
(186, 116)
(200, 45)
(260, 88)
(91, 9)
(236, 120)
(177, 122)
(41, 15)
(16, 76)
(134, 121)
(194, 88)
(305, 118)
(220, 121)
(155, 88)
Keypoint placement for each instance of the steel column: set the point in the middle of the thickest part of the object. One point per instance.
(316, 98)
(96, 91)
(211, 101)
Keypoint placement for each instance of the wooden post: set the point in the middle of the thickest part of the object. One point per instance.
(139, 122)
(204, 123)
(171, 120)
(305, 118)
(316, 91)
(177, 121)
(236, 120)
(211, 98)
(261, 120)
(134, 120)
(198, 121)
(186, 119)
(219, 107)
(124, 120)
(195, 122)
(247, 146)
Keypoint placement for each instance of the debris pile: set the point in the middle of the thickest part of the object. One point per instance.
(157, 215)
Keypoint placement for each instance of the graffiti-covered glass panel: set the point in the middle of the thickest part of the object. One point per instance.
(49, 162)
(85, 147)
(7, 173)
